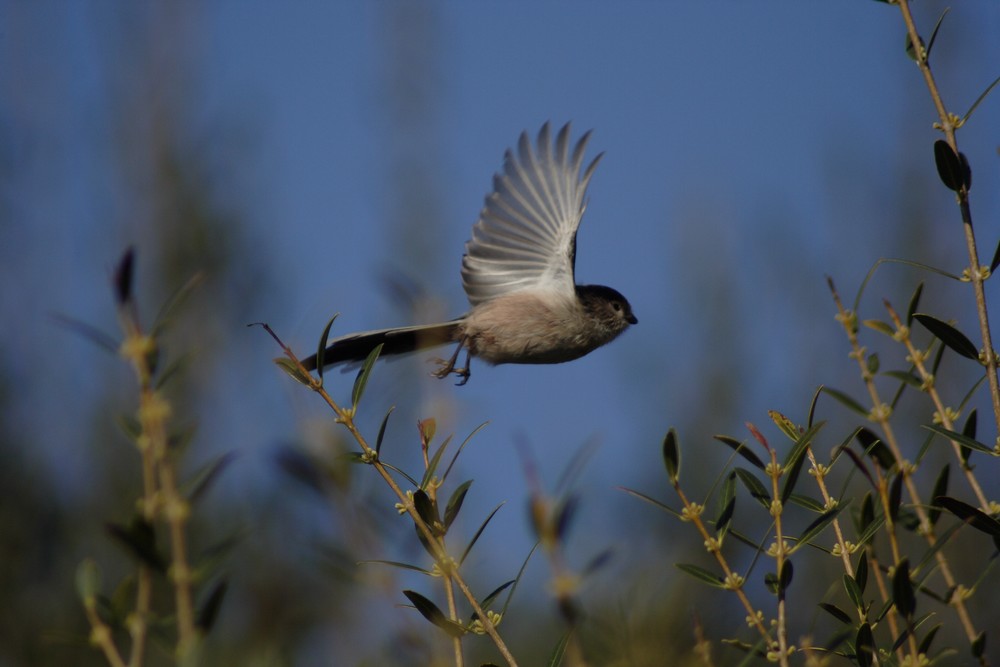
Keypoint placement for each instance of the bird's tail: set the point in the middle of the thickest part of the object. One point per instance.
(401, 340)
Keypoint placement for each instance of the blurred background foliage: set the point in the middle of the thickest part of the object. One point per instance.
(120, 125)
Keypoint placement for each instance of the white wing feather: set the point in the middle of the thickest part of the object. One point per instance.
(526, 233)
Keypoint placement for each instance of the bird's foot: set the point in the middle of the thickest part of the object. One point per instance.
(447, 367)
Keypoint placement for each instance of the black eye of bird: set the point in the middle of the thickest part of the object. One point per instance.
(616, 305)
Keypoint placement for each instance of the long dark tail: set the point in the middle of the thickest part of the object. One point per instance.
(401, 340)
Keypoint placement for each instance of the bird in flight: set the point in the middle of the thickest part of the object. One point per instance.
(518, 273)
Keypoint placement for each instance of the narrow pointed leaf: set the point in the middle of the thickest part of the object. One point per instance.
(396, 563)
(321, 348)
(455, 503)
(816, 527)
(433, 464)
(861, 572)
(960, 438)
(937, 26)
(425, 508)
(741, 448)
(88, 579)
(948, 335)
(940, 491)
(786, 425)
(796, 457)
(969, 431)
(755, 487)
(854, 592)
(289, 366)
(995, 262)
(875, 448)
(139, 539)
(895, 496)
(979, 99)
(672, 455)
(914, 303)
(864, 645)
(196, 487)
(974, 517)
(430, 611)
(123, 276)
(652, 501)
(902, 589)
(381, 431)
(846, 401)
(99, 338)
(209, 609)
(479, 532)
(362, 379)
(836, 612)
(701, 574)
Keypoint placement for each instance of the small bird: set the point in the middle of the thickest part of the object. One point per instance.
(518, 273)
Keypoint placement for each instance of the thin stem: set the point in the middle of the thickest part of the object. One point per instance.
(948, 123)
(346, 417)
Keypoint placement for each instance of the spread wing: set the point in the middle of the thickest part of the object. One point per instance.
(526, 233)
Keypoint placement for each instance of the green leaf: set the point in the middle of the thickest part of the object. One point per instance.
(808, 502)
(361, 381)
(786, 425)
(995, 262)
(381, 431)
(937, 26)
(836, 612)
(861, 573)
(796, 457)
(960, 438)
(979, 99)
(906, 377)
(785, 579)
(914, 303)
(458, 451)
(672, 455)
(902, 589)
(881, 327)
(321, 348)
(479, 532)
(433, 464)
(969, 431)
(174, 302)
(564, 513)
(430, 611)
(395, 563)
(846, 401)
(455, 503)
(864, 645)
(755, 487)
(209, 609)
(876, 449)
(953, 168)
(292, 370)
(949, 335)
(124, 273)
(854, 592)
(895, 496)
(815, 528)
(701, 574)
(196, 487)
(979, 645)
(88, 580)
(940, 490)
(741, 448)
(925, 643)
(139, 539)
(727, 505)
(559, 651)
(491, 598)
(652, 501)
(426, 508)
(974, 517)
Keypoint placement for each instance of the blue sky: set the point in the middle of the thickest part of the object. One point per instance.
(751, 149)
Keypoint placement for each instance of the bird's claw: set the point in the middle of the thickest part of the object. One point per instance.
(447, 368)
